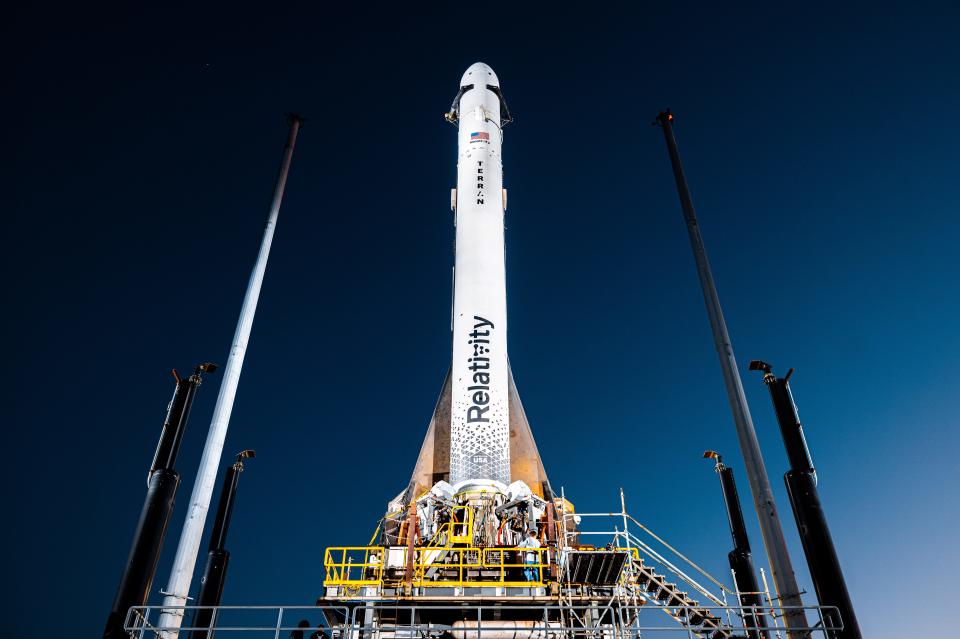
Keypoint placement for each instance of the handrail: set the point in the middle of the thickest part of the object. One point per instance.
(450, 529)
(679, 554)
(466, 535)
(465, 559)
(339, 563)
(341, 622)
(656, 555)
(339, 572)
(426, 558)
(671, 567)
(542, 561)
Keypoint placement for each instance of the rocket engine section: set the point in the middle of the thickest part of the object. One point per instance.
(475, 514)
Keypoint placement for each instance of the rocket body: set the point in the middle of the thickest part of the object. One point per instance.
(479, 416)
(479, 439)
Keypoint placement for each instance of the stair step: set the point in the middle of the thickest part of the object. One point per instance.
(677, 598)
(666, 591)
(697, 617)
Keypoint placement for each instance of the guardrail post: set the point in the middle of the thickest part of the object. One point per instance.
(279, 622)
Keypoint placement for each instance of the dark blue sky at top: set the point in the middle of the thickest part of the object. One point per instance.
(822, 149)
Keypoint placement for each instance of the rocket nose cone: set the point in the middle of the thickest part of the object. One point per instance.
(479, 74)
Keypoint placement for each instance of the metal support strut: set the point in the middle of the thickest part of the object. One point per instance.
(740, 558)
(218, 557)
(801, 482)
(162, 483)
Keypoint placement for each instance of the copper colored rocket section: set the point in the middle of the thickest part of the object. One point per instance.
(525, 462)
(433, 463)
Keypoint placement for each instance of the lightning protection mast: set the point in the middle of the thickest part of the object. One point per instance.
(186, 558)
(776, 546)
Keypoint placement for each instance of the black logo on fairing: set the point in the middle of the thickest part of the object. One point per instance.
(480, 365)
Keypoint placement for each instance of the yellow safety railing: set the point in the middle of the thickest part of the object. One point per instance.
(455, 532)
(633, 551)
(445, 557)
(363, 566)
(461, 532)
(441, 538)
(498, 558)
(509, 563)
(353, 566)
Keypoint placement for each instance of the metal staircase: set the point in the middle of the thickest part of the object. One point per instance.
(679, 605)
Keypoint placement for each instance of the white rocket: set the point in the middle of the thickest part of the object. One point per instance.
(479, 433)
(480, 415)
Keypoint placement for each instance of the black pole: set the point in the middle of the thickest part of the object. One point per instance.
(801, 482)
(215, 573)
(162, 482)
(741, 558)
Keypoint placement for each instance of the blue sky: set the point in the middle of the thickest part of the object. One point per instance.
(821, 148)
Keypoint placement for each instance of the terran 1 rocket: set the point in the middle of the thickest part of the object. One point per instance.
(479, 431)
(480, 414)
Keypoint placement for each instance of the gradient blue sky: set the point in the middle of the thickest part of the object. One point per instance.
(822, 149)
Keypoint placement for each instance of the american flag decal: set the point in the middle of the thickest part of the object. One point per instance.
(479, 136)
